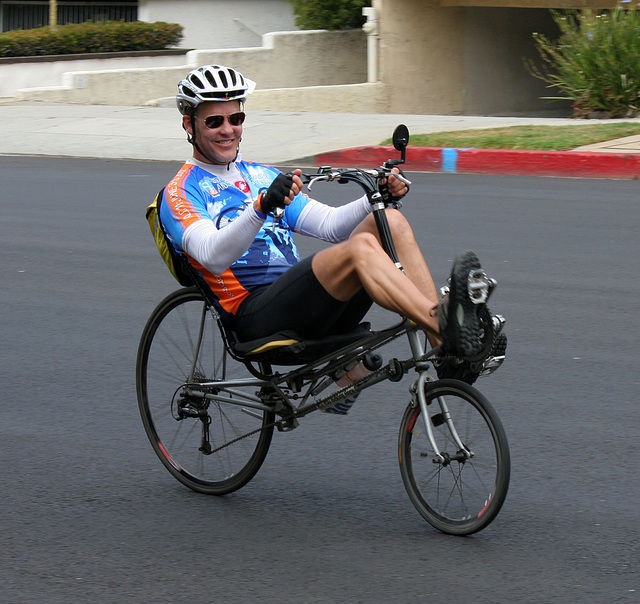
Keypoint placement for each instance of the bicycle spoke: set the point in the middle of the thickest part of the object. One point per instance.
(182, 343)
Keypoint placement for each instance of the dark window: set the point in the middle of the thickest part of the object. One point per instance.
(15, 14)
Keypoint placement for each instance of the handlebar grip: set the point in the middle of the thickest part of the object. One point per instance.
(402, 178)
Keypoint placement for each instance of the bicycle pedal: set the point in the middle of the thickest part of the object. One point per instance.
(492, 364)
(479, 286)
(498, 323)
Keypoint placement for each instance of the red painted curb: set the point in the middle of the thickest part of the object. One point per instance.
(493, 161)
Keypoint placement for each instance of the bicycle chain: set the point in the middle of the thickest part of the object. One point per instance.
(235, 440)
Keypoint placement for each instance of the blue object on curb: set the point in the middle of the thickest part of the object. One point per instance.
(449, 160)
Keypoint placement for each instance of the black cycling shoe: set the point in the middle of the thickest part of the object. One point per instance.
(465, 323)
(452, 368)
(469, 372)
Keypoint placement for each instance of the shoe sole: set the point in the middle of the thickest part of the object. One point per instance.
(470, 289)
(496, 358)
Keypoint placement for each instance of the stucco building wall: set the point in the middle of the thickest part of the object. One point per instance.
(461, 59)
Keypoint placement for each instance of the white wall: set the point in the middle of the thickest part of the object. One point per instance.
(287, 60)
(298, 58)
(221, 23)
(30, 73)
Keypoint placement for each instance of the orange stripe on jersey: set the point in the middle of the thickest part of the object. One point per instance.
(181, 208)
(225, 287)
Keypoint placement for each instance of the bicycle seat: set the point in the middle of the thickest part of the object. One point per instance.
(288, 348)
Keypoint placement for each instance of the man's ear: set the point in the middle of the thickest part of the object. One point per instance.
(187, 125)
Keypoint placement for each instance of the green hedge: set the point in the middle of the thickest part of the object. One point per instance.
(329, 14)
(110, 36)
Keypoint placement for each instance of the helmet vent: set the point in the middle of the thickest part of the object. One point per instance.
(210, 78)
(197, 81)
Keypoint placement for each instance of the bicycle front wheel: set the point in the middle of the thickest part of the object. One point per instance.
(210, 446)
(461, 490)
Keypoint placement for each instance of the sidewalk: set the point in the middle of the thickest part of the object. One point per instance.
(294, 138)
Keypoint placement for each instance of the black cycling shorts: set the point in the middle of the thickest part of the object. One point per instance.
(297, 302)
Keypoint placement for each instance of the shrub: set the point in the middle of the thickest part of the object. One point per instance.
(110, 36)
(329, 14)
(594, 63)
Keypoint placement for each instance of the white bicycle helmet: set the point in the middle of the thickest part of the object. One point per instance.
(212, 83)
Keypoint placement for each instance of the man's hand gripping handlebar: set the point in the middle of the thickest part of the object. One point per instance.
(383, 186)
(279, 194)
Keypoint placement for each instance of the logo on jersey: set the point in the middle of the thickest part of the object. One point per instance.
(213, 187)
(243, 186)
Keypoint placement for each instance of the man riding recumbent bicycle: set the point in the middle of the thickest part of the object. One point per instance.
(259, 338)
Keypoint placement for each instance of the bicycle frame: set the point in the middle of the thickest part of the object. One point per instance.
(306, 381)
(307, 377)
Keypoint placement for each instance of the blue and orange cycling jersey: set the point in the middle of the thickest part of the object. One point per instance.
(195, 194)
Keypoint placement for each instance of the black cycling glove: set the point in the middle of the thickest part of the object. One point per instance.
(389, 200)
(274, 196)
(408, 188)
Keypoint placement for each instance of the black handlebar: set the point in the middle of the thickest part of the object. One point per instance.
(367, 179)
(370, 180)
(373, 181)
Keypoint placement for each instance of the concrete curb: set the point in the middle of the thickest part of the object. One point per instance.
(493, 161)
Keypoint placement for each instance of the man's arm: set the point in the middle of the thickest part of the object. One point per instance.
(332, 224)
(217, 249)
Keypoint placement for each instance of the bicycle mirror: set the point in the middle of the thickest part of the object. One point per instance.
(401, 140)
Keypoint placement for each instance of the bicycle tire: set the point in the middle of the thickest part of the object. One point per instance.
(459, 496)
(182, 343)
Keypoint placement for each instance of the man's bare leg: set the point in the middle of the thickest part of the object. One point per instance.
(361, 262)
(410, 256)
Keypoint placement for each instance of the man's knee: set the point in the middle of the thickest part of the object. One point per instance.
(346, 257)
(398, 224)
(361, 244)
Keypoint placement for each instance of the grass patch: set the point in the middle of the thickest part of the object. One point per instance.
(533, 138)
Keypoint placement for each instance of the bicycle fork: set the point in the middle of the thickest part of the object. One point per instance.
(463, 453)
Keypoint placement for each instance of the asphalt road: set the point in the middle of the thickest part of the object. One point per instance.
(90, 515)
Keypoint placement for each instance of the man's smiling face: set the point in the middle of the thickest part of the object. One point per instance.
(219, 145)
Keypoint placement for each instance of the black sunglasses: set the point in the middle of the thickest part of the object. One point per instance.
(215, 121)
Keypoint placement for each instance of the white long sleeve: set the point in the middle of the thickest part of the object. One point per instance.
(217, 249)
(332, 224)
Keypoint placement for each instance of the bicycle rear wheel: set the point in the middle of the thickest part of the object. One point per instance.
(182, 344)
(459, 495)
